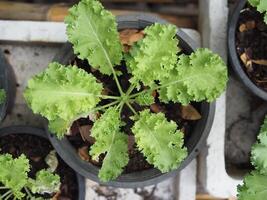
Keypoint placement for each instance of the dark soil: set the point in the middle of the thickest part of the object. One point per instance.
(137, 161)
(36, 149)
(253, 42)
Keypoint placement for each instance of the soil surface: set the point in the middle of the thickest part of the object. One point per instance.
(36, 149)
(251, 45)
(137, 161)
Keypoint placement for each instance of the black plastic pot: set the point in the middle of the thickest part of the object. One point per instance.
(7, 82)
(41, 133)
(146, 177)
(233, 56)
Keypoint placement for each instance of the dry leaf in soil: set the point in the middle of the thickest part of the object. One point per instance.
(249, 25)
(51, 160)
(129, 36)
(55, 197)
(189, 113)
(36, 159)
(156, 108)
(84, 153)
(85, 132)
(246, 61)
(260, 62)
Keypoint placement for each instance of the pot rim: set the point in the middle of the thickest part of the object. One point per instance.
(29, 130)
(64, 148)
(233, 57)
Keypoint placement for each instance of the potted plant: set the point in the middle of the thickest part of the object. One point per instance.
(254, 186)
(118, 107)
(7, 87)
(247, 44)
(31, 169)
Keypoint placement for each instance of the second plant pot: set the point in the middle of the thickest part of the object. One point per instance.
(32, 142)
(246, 41)
(198, 131)
(7, 85)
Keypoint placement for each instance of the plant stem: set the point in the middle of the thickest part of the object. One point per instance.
(96, 109)
(131, 108)
(162, 86)
(3, 188)
(6, 194)
(120, 106)
(117, 80)
(109, 97)
(28, 192)
(105, 106)
(130, 89)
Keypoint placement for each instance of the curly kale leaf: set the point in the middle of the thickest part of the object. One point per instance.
(60, 127)
(45, 183)
(259, 150)
(254, 2)
(2, 96)
(196, 77)
(145, 99)
(62, 93)
(112, 142)
(14, 173)
(159, 140)
(153, 57)
(93, 32)
(254, 187)
(261, 7)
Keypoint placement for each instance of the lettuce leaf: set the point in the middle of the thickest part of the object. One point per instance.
(254, 2)
(14, 173)
(62, 92)
(145, 99)
(159, 141)
(261, 7)
(45, 183)
(254, 187)
(259, 150)
(111, 142)
(60, 127)
(197, 77)
(93, 32)
(153, 57)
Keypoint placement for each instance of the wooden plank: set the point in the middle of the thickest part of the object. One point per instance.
(57, 12)
(23, 11)
(208, 197)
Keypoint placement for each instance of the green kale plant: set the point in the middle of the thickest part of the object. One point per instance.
(16, 183)
(261, 6)
(255, 187)
(2, 96)
(64, 94)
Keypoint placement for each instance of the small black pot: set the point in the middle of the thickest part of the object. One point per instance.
(233, 56)
(41, 133)
(150, 176)
(7, 82)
